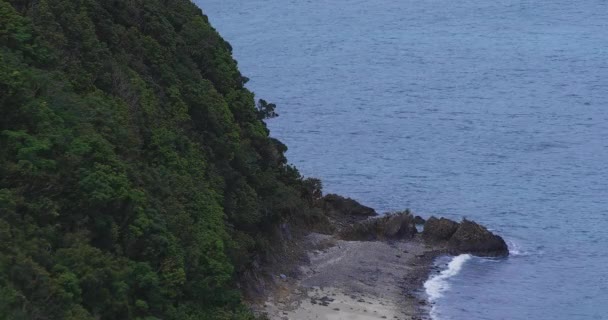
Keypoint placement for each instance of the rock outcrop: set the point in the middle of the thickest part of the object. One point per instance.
(438, 230)
(334, 204)
(343, 212)
(419, 220)
(464, 237)
(395, 226)
(474, 238)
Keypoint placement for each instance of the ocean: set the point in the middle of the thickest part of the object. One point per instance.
(496, 111)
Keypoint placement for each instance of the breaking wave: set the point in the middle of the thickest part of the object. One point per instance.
(436, 285)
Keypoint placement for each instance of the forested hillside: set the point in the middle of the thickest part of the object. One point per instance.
(137, 177)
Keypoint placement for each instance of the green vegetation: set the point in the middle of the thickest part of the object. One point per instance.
(137, 178)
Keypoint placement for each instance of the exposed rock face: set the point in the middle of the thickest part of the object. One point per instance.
(335, 204)
(465, 237)
(394, 226)
(439, 229)
(476, 239)
(419, 220)
(343, 212)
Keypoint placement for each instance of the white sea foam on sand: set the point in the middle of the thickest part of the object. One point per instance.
(438, 284)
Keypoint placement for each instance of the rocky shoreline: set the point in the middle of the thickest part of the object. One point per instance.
(368, 266)
(355, 280)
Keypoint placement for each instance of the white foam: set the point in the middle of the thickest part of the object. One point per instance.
(515, 249)
(438, 284)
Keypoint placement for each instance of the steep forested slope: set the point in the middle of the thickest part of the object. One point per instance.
(137, 177)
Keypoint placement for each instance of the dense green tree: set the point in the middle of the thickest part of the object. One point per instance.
(137, 179)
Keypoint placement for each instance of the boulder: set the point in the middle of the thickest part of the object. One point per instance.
(419, 220)
(471, 237)
(464, 237)
(334, 204)
(395, 226)
(438, 230)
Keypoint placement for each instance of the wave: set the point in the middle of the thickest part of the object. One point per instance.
(516, 250)
(436, 285)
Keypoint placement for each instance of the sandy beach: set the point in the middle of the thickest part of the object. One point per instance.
(355, 280)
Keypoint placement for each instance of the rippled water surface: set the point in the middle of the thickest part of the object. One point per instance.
(493, 110)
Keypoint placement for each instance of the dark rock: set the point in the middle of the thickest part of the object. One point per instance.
(437, 230)
(393, 226)
(419, 220)
(474, 238)
(333, 203)
(285, 231)
(464, 237)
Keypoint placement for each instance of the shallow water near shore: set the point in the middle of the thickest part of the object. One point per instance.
(497, 111)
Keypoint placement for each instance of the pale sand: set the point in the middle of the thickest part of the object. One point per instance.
(356, 280)
(342, 306)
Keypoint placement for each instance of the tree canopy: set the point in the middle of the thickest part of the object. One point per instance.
(137, 177)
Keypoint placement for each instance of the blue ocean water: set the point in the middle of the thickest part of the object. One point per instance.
(491, 110)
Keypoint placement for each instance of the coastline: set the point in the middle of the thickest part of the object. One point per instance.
(365, 266)
(355, 280)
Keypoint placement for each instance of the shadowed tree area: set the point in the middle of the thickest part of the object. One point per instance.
(137, 178)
